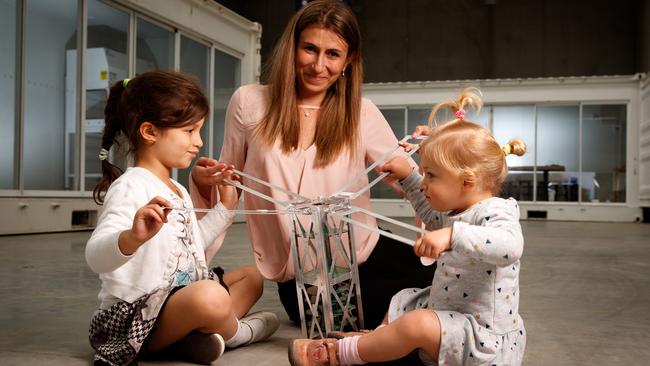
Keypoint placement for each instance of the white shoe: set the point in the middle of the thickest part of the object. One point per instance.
(262, 324)
(202, 348)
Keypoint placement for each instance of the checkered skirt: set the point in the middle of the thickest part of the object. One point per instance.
(118, 333)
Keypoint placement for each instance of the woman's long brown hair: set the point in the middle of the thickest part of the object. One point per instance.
(337, 128)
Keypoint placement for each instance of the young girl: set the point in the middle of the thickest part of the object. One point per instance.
(469, 315)
(148, 246)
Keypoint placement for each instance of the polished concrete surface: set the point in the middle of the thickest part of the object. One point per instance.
(585, 297)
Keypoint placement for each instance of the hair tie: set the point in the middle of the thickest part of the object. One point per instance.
(460, 114)
(103, 154)
(507, 150)
(125, 81)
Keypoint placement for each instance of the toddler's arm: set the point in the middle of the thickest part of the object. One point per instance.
(430, 217)
(497, 240)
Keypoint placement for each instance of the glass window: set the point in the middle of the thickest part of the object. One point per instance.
(154, 47)
(558, 173)
(417, 116)
(603, 153)
(227, 78)
(8, 177)
(396, 121)
(50, 109)
(195, 61)
(510, 122)
(106, 62)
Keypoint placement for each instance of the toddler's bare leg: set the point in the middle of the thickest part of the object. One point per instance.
(416, 329)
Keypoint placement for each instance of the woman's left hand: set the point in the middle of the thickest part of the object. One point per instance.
(204, 174)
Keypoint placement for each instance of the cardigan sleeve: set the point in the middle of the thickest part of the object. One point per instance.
(120, 205)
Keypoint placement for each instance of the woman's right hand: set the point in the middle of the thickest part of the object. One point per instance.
(398, 167)
(148, 220)
(421, 130)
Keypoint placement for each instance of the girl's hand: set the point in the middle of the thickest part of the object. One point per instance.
(433, 243)
(204, 175)
(147, 222)
(398, 167)
(228, 196)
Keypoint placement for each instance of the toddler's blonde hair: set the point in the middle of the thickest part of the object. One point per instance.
(467, 149)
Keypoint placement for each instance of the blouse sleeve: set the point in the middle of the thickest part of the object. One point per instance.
(235, 145)
(232, 152)
(377, 134)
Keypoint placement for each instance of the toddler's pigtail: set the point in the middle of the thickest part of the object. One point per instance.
(469, 99)
(113, 125)
(515, 147)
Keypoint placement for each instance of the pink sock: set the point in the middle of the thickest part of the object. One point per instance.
(348, 351)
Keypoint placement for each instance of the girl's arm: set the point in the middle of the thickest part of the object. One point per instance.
(123, 227)
(497, 240)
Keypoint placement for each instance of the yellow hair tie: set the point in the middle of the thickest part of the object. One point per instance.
(125, 81)
(507, 150)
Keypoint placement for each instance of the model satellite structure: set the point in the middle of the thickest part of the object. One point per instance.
(323, 250)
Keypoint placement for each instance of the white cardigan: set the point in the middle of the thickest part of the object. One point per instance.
(152, 265)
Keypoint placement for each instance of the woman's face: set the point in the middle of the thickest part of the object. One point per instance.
(321, 56)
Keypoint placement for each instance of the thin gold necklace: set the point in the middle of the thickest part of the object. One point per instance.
(306, 109)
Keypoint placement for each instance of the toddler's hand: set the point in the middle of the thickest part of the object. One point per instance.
(398, 167)
(147, 222)
(433, 243)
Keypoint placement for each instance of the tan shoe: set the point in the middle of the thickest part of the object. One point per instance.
(313, 352)
(340, 335)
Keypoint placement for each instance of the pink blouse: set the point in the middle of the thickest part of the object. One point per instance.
(271, 234)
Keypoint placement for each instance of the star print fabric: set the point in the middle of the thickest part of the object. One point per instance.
(475, 291)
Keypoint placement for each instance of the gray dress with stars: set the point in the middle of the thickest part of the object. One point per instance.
(475, 291)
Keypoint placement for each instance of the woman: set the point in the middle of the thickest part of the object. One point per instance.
(308, 130)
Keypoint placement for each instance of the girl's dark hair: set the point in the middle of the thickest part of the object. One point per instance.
(166, 99)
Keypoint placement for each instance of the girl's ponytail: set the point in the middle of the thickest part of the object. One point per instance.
(114, 124)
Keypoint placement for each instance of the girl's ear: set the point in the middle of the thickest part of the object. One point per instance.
(469, 181)
(148, 132)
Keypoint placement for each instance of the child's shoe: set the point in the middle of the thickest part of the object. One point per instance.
(262, 324)
(202, 348)
(336, 334)
(313, 352)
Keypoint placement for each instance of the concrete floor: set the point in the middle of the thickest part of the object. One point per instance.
(585, 292)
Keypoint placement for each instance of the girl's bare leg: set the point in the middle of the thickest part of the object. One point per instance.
(416, 329)
(246, 286)
(204, 305)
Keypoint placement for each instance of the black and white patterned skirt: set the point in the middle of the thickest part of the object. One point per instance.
(119, 333)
